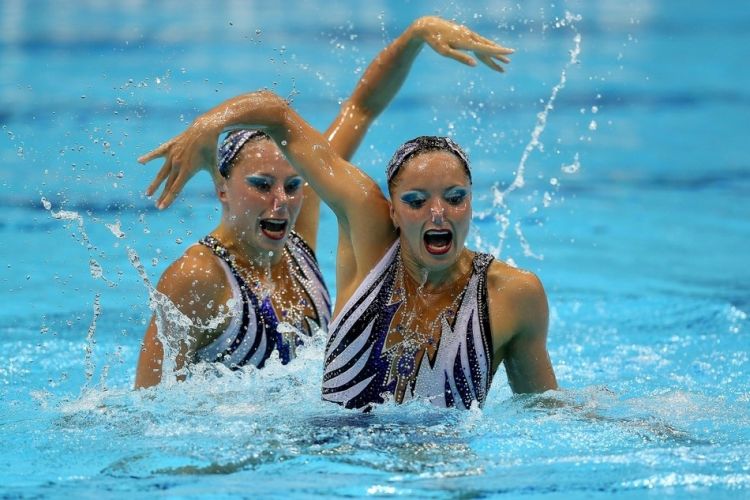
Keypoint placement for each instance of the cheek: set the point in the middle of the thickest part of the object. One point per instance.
(409, 217)
(460, 214)
(295, 202)
(251, 201)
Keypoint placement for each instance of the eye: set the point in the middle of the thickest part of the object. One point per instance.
(413, 200)
(293, 186)
(455, 197)
(260, 183)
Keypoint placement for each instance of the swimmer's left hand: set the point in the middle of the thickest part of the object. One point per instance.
(453, 40)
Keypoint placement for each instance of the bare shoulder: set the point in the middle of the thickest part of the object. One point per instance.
(194, 278)
(517, 302)
(514, 284)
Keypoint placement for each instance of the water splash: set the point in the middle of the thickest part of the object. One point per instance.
(91, 342)
(75, 217)
(499, 196)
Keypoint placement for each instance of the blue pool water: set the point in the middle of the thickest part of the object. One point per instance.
(634, 213)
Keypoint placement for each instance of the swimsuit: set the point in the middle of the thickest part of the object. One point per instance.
(362, 367)
(253, 332)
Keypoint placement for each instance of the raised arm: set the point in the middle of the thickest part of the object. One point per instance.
(383, 78)
(374, 91)
(360, 206)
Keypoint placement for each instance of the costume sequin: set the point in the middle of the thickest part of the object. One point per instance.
(253, 334)
(359, 370)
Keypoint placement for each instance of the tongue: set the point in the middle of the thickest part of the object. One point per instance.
(273, 230)
(438, 243)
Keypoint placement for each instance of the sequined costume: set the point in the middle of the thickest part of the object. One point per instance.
(359, 371)
(253, 333)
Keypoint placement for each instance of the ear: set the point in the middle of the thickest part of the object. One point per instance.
(393, 214)
(221, 190)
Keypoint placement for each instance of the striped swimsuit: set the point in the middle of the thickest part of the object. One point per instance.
(253, 333)
(359, 368)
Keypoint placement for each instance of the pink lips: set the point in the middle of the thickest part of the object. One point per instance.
(438, 241)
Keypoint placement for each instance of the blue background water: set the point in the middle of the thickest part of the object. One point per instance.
(642, 248)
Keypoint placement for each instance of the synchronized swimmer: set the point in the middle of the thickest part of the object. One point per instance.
(417, 315)
(260, 260)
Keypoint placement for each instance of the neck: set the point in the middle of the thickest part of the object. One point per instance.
(232, 241)
(430, 280)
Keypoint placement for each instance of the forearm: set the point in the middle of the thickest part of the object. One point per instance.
(261, 110)
(378, 86)
(384, 76)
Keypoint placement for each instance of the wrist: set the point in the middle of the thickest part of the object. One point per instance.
(417, 31)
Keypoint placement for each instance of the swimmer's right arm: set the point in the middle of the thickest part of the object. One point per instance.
(355, 198)
(375, 90)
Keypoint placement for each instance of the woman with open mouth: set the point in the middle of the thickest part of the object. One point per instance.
(418, 315)
(253, 285)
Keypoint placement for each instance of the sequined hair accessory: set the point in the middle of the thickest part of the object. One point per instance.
(423, 144)
(231, 146)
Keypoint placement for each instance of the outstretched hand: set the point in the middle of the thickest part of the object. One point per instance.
(184, 155)
(453, 40)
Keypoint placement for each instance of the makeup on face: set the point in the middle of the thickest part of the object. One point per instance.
(439, 240)
(275, 227)
(264, 195)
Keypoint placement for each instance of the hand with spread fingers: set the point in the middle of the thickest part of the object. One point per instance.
(377, 87)
(453, 40)
(184, 155)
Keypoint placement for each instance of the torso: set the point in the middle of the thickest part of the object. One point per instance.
(388, 342)
(259, 325)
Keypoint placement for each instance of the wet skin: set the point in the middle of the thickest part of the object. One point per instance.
(262, 199)
(431, 206)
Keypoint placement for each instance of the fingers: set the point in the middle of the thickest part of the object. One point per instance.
(169, 193)
(495, 48)
(163, 173)
(459, 56)
(156, 153)
(489, 62)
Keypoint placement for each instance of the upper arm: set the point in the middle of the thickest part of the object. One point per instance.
(190, 293)
(360, 207)
(524, 344)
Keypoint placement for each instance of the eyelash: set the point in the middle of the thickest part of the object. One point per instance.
(455, 199)
(264, 186)
(261, 185)
(292, 187)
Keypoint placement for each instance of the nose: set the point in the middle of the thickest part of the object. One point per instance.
(437, 211)
(280, 199)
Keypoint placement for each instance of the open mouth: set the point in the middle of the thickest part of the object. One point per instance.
(438, 241)
(274, 228)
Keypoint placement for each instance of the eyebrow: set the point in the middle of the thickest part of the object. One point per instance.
(413, 194)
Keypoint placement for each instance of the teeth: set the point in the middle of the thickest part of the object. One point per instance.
(438, 238)
(273, 225)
